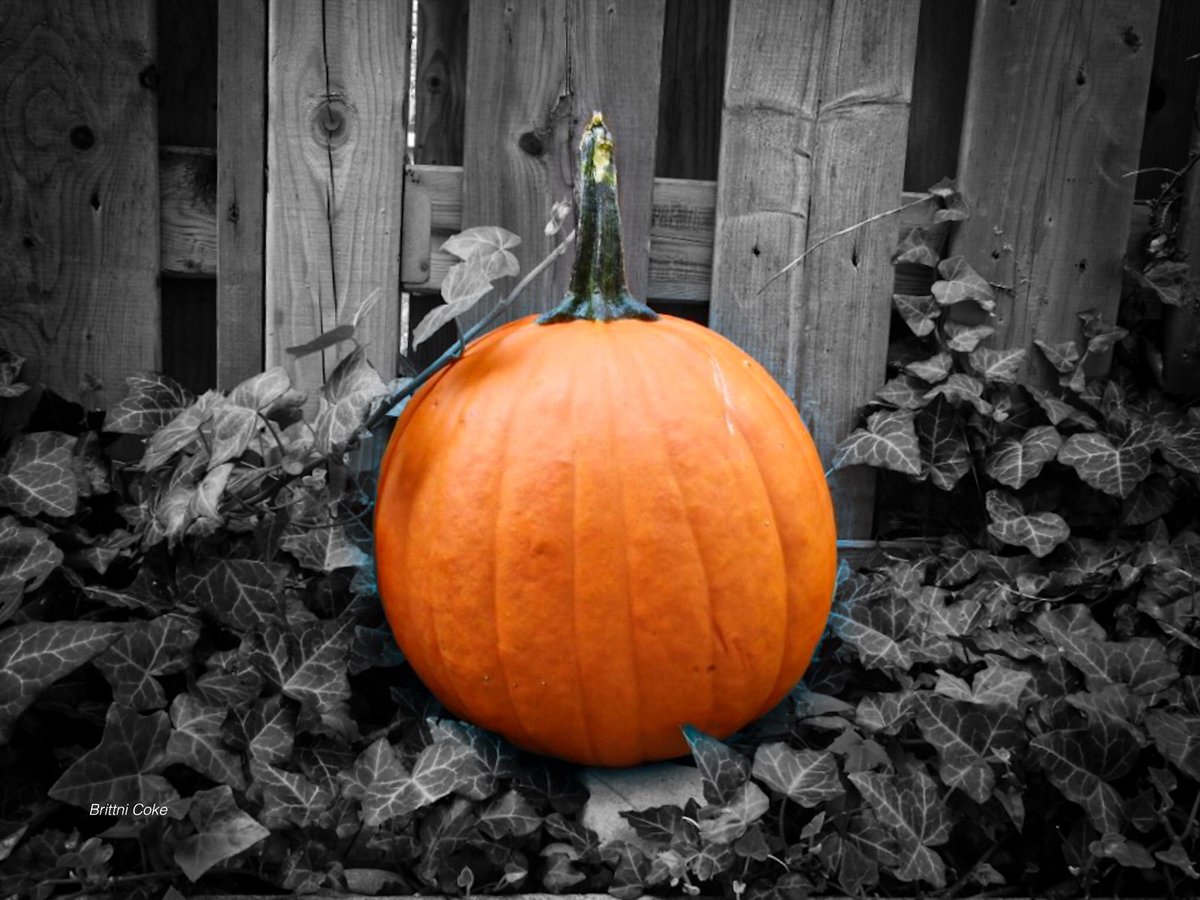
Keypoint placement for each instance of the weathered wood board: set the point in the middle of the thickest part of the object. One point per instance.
(535, 72)
(814, 147)
(79, 192)
(337, 88)
(1055, 106)
(241, 188)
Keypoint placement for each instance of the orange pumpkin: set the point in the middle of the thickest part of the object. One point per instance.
(596, 527)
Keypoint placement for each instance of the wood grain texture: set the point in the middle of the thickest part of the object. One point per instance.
(1054, 121)
(187, 178)
(858, 171)
(441, 85)
(337, 93)
(772, 91)
(79, 229)
(241, 189)
(535, 73)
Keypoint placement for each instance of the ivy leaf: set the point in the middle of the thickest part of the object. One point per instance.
(490, 245)
(965, 735)
(999, 686)
(27, 556)
(37, 475)
(160, 646)
(722, 769)
(965, 338)
(1177, 856)
(322, 341)
(1062, 357)
(945, 456)
(346, 400)
(884, 712)
(222, 832)
(233, 428)
(919, 312)
(1126, 852)
(288, 797)
(1113, 469)
(734, 820)
(932, 370)
(954, 205)
(1079, 761)
(873, 618)
(196, 741)
(807, 777)
(917, 248)
(1059, 411)
(1150, 500)
(264, 730)
(888, 442)
(444, 831)
(10, 369)
(180, 433)
(903, 392)
(962, 283)
(960, 388)
(1177, 737)
(509, 815)
(1037, 532)
(1181, 448)
(260, 392)
(464, 285)
(1014, 463)
(153, 401)
(658, 824)
(997, 366)
(323, 548)
(915, 813)
(240, 593)
(119, 769)
(34, 655)
(309, 668)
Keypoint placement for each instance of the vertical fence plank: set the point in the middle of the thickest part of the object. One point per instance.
(858, 171)
(441, 88)
(1055, 107)
(241, 188)
(772, 83)
(79, 231)
(337, 88)
(812, 141)
(535, 71)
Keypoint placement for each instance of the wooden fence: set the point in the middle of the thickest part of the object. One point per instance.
(276, 196)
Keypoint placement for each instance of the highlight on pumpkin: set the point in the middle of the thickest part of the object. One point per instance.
(594, 531)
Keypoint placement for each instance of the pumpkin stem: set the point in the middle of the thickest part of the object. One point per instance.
(597, 290)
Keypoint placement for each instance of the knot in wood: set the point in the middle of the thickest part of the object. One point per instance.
(531, 143)
(331, 122)
(82, 137)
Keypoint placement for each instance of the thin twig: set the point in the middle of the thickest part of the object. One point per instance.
(799, 259)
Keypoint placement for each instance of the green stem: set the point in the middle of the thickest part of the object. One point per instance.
(597, 291)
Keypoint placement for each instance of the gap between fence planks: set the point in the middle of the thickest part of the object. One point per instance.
(1055, 108)
(813, 136)
(336, 126)
(536, 71)
(241, 187)
(79, 199)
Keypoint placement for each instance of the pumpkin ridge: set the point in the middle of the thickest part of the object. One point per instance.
(501, 470)
(715, 634)
(768, 388)
(614, 371)
(580, 682)
(453, 409)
